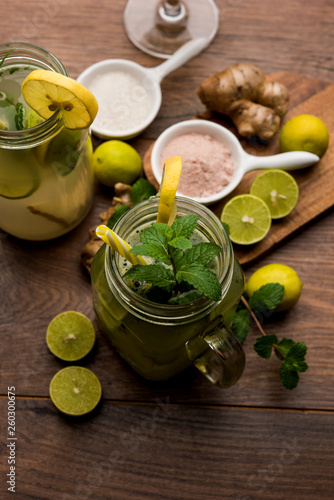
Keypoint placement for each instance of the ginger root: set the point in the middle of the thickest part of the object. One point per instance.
(122, 197)
(241, 92)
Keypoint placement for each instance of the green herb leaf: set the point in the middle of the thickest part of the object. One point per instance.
(284, 346)
(141, 190)
(289, 377)
(297, 352)
(267, 297)
(154, 273)
(163, 229)
(184, 226)
(149, 250)
(20, 117)
(119, 211)
(4, 58)
(152, 236)
(201, 278)
(203, 253)
(180, 242)
(264, 345)
(240, 325)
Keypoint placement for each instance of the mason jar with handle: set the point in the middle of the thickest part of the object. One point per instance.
(46, 170)
(161, 340)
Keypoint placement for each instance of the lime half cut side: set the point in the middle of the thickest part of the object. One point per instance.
(70, 336)
(75, 390)
(248, 218)
(278, 190)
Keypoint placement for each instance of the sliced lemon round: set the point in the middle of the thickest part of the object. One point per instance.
(248, 218)
(278, 190)
(46, 91)
(169, 184)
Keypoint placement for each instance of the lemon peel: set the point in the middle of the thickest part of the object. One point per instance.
(46, 91)
(168, 187)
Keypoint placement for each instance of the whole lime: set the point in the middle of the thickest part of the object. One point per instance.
(116, 161)
(305, 133)
(277, 273)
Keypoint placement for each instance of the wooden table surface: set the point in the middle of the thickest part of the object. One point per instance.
(184, 439)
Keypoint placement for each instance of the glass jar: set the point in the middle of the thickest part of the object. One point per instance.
(46, 171)
(161, 340)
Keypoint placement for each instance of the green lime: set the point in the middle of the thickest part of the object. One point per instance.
(278, 190)
(116, 161)
(75, 390)
(19, 176)
(70, 336)
(305, 133)
(248, 219)
(277, 273)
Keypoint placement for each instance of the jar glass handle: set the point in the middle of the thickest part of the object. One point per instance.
(218, 354)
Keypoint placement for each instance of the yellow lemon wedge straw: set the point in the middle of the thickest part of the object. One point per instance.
(168, 187)
(119, 245)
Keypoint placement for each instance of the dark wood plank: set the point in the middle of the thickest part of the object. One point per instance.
(169, 452)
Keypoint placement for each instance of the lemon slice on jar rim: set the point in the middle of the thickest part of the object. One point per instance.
(46, 91)
(169, 183)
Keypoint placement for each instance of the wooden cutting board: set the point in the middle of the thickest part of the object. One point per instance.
(316, 183)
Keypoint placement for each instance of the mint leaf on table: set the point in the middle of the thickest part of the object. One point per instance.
(264, 345)
(240, 325)
(289, 377)
(149, 250)
(119, 211)
(284, 347)
(141, 190)
(201, 278)
(266, 298)
(154, 273)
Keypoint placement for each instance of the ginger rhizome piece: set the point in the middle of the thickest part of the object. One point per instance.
(242, 92)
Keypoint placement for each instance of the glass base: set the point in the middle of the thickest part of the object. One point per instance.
(160, 32)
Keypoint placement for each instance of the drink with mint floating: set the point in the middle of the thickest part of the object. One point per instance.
(46, 175)
(173, 312)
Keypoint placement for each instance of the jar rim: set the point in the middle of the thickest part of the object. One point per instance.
(34, 136)
(156, 312)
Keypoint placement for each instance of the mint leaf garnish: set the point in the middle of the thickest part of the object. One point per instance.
(152, 236)
(20, 117)
(180, 242)
(264, 345)
(240, 325)
(267, 297)
(141, 190)
(201, 278)
(154, 273)
(184, 226)
(203, 253)
(149, 250)
(119, 211)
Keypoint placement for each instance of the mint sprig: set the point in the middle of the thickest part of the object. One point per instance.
(292, 354)
(179, 266)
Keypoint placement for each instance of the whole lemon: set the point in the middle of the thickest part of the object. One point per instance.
(116, 161)
(305, 133)
(277, 273)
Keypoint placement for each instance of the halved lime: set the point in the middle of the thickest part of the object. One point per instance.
(70, 336)
(75, 390)
(278, 190)
(248, 218)
(19, 176)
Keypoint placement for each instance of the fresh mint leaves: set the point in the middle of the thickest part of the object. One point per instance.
(292, 354)
(141, 190)
(179, 266)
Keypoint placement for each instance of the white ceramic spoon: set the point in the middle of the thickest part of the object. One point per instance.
(148, 79)
(244, 162)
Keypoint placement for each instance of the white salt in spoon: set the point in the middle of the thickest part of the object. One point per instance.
(147, 80)
(243, 161)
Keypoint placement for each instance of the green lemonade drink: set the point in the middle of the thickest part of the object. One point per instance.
(159, 340)
(46, 174)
